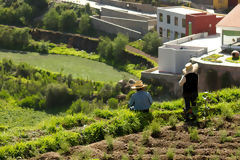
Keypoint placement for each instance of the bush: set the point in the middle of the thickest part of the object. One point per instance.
(58, 95)
(4, 94)
(80, 106)
(34, 101)
(113, 103)
(106, 114)
(227, 111)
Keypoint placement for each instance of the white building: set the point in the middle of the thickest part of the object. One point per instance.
(171, 21)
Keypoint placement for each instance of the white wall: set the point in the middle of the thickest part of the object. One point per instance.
(170, 26)
(172, 58)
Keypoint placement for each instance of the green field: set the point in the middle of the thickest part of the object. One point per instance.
(78, 67)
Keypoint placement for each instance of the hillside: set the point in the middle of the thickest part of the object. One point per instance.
(217, 141)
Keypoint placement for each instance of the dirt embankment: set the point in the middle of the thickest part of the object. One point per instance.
(217, 141)
(72, 40)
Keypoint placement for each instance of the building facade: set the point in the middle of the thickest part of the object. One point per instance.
(171, 22)
(178, 21)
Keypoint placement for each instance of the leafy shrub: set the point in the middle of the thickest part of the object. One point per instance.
(80, 106)
(113, 103)
(226, 111)
(58, 95)
(106, 114)
(95, 132)
(4, 94)
(34, 101)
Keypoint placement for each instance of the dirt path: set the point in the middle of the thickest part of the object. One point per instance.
(208, 146)
(132, 49)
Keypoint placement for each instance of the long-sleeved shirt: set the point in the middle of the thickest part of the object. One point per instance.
(141, 100)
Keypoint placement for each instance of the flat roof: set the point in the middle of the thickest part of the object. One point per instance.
(212, 43)
(181, 10)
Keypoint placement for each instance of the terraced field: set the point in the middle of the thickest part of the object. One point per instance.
(77, 66)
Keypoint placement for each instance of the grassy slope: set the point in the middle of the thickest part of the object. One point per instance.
(13, 116)
(78, 67)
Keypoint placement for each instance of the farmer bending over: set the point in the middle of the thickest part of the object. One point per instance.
(141, 100)
(189, 81)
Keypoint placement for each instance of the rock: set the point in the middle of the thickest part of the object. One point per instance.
(235, 54)
(121, 97)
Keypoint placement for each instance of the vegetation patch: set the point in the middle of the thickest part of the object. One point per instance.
(232, 60)
(213, 58)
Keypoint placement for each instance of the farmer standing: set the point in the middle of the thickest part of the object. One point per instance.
(141, 100)
(189, 81)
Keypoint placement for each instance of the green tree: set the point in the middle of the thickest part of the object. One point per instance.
(105, 48)
(88, 9)
(119, 44)
(84, 23)
(151, 42)
(24, 13)
(50, 19)
(68, 21)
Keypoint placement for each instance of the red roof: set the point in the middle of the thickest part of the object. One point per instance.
(232, 19)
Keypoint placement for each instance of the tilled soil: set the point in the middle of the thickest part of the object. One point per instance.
(208, 146)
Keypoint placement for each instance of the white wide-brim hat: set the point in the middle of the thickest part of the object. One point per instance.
(138, 85)
(190, 68)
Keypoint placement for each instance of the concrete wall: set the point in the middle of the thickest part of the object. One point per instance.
(138, 25)
(213, 77)
(111, 28)
(169, 82)
(122, 14)
(88, 44)
(177, 56)
(187, 38)
(147, 8)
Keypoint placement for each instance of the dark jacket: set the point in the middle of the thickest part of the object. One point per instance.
(190, 87)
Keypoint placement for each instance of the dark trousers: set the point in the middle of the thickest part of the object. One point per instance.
(189, 102)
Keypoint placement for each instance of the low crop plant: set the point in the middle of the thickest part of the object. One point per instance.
(194, 137)
(109, 141)
(83, 155)
(155, 129)
(219, 122)
(155, 155)
(130, 147)
(189, 151)
(170, 153)
(113, 103)
(173, 121)
(224, 137)
(124, 157)
(106, 156)
(237, 133)
(145, 136)
(141, 151)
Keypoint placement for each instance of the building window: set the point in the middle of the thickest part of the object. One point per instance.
(183, 23)
(160, 17)
(183, 35)
(176, 35)
(160, 31)
(168, 19)
(176, 21)
(168, 33)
